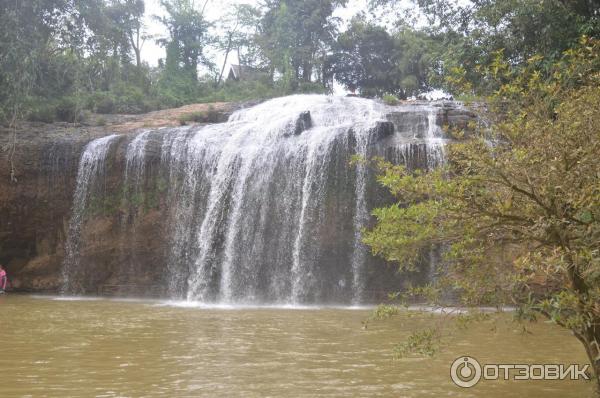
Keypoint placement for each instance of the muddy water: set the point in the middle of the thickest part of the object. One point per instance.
(102, 348)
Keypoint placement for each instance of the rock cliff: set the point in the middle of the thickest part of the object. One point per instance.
(127, 225)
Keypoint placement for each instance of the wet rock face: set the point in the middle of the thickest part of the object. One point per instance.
(127, 241)
(34, 211)
(450, 114)
(383, 130)
(303, 123)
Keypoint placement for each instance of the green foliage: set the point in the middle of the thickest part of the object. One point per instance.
(188, 31)
(385, 311)
(209, 116)
(518, 205)
(45, 113)
(294, 38)
(52, 70)
(102, 102)
(101, 121)
(468, 36)
(390, 99)
(367, 58)
(67, 110)
(61, 57)
(423, 343)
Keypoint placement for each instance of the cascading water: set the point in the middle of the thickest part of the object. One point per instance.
(266, 208)
(434, 141)
(361, 217)
(90, 173)
(135, 160)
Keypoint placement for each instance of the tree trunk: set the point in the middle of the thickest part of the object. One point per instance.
(307, 72)
(590, 338)
(136, 43)
(229, 42)
(138, 50)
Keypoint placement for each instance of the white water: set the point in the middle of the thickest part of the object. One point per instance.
(434, 141)
(259, 211)
(134, 160)
(90, 174)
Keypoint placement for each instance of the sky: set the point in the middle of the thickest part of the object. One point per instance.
(215, 9)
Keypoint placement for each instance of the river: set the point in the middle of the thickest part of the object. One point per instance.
(60, 347)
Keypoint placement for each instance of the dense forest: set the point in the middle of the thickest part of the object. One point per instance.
(62, 58)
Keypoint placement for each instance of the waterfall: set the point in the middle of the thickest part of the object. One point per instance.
(361, 216)
(266, 208)
(134, 160)
(90, 173)
(133, 196)
(434, 140)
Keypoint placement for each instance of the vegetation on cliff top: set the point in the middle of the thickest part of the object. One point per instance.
(60, 58)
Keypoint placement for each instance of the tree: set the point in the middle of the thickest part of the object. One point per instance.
(470, 33)
(31, 33)
(187, 37)
(111, 41)
(369, 59)
(529, 190)
(364, 59)
(131, 22)
(239, 27)
(295, 35)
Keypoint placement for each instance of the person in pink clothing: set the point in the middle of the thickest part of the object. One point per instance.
(3, 279)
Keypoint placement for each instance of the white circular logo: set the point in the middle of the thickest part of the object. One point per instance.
(465, 372)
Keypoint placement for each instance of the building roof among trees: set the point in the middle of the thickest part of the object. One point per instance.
(243, 72)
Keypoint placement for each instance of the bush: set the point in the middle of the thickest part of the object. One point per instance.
(102, 102)
(101, 121)
(186, 118)
(209, 116)
(212, 115)
(311, 88)
(130, 99)
(123, 98)
(390, 99)
(44, 113)
(67, 110)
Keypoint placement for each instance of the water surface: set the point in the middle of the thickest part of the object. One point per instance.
(105, 348)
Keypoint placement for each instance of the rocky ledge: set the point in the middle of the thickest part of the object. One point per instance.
(38, 179)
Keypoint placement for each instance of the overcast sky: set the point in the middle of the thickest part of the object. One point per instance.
(215, 9)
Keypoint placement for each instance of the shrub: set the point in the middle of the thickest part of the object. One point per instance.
(311, 88)
(130, 99)
(196, 117)
(101, 121)
(390, 99)
(211, 115)
(45, 113)
(103, 102)
(67, 110)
